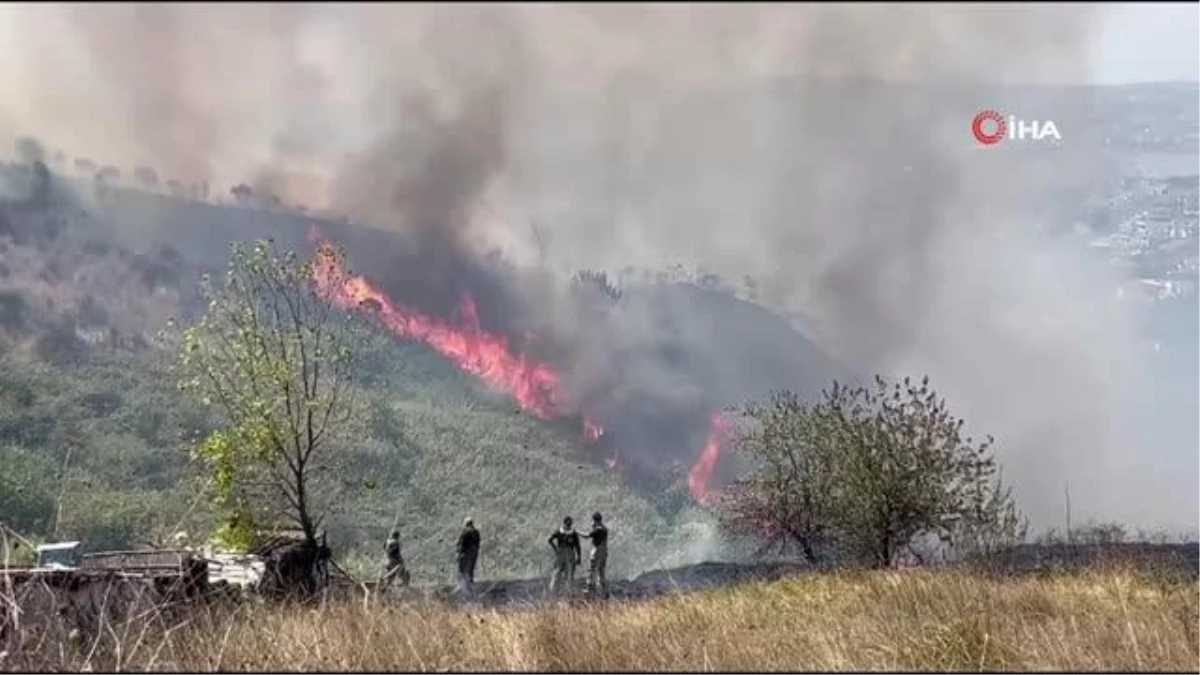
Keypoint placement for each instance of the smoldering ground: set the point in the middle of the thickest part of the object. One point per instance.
(821, 149)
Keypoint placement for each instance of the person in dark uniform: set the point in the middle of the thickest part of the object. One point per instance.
(395, 562)
(565, 542)
(598, 559)
(468, 554)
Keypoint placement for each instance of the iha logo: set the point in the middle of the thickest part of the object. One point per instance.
(990, 127)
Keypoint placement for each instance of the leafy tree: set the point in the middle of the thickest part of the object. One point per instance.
(597, 281)
(13, 310)
(146, 176)
(870, 473)
(788, 498)
(991, 521)
(26, 490)
(29, 150)
(41, 183)
(1099, 534)
(749, 288)
(242, 193)
(274, 356)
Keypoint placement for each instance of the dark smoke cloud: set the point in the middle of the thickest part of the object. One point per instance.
(822, 149)
(443, 148)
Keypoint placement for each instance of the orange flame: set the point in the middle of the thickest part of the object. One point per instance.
(614, 462)
(486, 355)
(701, 472)
(592, 430)
(535, 385)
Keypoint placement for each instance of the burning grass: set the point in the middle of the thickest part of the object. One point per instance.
(1112, 619)
(535, 385)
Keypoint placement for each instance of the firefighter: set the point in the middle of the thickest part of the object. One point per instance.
(468, 554)
(598, 560)
(565, 543)
(395, 562)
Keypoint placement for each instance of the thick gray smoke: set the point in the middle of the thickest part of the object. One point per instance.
(822, 149)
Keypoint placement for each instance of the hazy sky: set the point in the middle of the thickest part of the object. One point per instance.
(1140, 42)
(1149, 41)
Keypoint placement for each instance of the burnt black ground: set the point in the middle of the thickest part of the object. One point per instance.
(652, 584)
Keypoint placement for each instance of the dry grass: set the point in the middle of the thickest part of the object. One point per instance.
(1100, 620)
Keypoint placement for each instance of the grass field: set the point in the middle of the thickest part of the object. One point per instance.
(1107, 620)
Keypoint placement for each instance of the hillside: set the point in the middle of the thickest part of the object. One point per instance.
(432, 454)
(90, 415)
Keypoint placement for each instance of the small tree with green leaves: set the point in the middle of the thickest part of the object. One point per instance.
(871, 472)
(788, 498)
(907, 470)
(274, 356)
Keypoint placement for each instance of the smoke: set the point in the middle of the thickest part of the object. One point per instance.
(821, 149)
